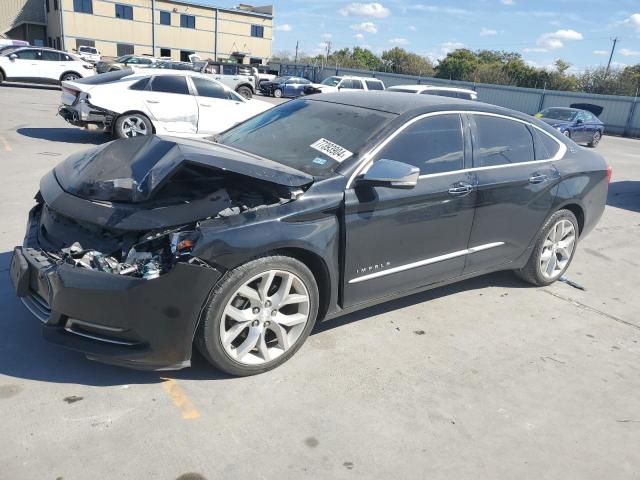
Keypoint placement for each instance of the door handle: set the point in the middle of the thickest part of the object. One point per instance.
(204, 105)
(153, 101)
(460, 189)
(538, 178)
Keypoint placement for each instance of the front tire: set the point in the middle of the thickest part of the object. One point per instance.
(595, 140)
(132, 125)
(553, 251)
(259, 315)
(277, 93)
(245, 92)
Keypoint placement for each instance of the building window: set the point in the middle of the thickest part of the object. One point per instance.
(184, 55)
(46, 5)
(187, 21)
(82, 6)
(165, 18)
(55, 4)
(125, 49)
(257, 31)
(124, 11)
(165, 52)
(58, 43)
(83, 42)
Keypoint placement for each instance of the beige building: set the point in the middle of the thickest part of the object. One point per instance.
(168, 28)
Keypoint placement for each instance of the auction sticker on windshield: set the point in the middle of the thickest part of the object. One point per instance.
(332, 150)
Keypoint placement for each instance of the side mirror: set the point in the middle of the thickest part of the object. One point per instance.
(389, 173)
(13, 56)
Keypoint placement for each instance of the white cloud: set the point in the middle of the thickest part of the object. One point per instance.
(327, 36)
(413, 28)
(368, 27)
(284, 27)
(486, 32)
(600, 52)
(507, 2)
(554, 40)
(535, 49)
(438, 9)
(633, 21)
(625, 52)
(375, 10)
(399, 41)
(448, 47)
(359, 37)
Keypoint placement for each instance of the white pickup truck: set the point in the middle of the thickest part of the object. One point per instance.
(89, 54)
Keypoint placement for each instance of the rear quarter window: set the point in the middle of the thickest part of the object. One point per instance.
(374, 85)
(545, 146)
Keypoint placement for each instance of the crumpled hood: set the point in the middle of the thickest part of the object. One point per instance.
(555, 123)
(132, 170)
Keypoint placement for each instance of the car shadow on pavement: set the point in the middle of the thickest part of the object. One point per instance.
(66, 135)
(504, 279)
(625, 194)
(25, 354)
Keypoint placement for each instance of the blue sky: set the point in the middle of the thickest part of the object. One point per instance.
(578, 31)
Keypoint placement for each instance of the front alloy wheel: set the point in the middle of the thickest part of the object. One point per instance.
(265, 317)
(132, 125)
(259, 315)
(595, 140)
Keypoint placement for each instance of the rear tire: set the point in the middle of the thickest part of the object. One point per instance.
(554, 250)
(70, 77)
(240, 334)
(595, 140)
(567, 133)
(1, 76)
(245, 92)
(132, 125)
(277, 93)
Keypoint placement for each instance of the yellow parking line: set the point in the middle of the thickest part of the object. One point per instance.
(7, 147)
(180, 399)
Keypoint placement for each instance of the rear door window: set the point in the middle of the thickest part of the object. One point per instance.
(357, 84)
(170, 84)
(205, 88)
(374, 85)
(500, 141)
(50, 56)
(433, 144)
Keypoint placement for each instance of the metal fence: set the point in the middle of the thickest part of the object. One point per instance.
(621, 115)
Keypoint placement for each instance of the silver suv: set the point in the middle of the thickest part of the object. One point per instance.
(235, 76)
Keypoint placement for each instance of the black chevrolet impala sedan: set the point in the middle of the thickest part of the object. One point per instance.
(138, 249)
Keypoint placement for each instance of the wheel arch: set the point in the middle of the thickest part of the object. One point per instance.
(3, 73)
(245, 84)
(577, 210)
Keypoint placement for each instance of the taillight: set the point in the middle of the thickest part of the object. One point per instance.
(609, 172)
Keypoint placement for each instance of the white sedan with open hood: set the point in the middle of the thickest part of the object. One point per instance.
(185, 104)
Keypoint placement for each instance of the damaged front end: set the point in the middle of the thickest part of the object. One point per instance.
(113, 263)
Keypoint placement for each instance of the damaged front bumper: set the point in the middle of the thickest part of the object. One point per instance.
(112, 318)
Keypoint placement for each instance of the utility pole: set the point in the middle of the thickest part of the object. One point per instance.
(615, 40)
(296, 59)
(328, 49)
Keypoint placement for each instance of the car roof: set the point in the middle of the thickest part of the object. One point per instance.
(411, 105)
(48, 49)
(355, 77)
(421, 88)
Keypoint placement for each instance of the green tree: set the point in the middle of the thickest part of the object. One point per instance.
(458, 65)
(398, 60)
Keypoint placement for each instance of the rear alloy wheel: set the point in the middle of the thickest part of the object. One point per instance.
(567, 133)
(277, 93)
(70, 77)
(595, 140)
(245, 92)
(553, 251)
(259, 315)
(132, 125)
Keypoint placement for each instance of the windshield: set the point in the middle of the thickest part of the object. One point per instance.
(281, 79)
(558, 114)
(331, 81)
(310, 136)
(123, 58)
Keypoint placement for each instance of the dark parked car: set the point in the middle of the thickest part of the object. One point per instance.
(139, 248)
(285, 87)
(579, 125)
